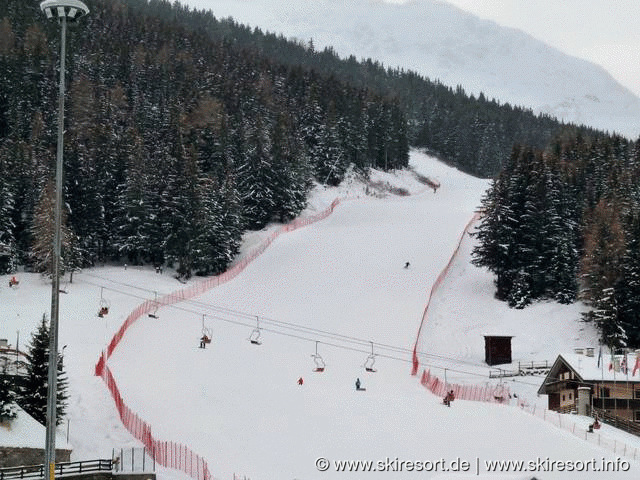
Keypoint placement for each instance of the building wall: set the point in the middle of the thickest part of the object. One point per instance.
(621, 390)
(568, 397)
(15, 457)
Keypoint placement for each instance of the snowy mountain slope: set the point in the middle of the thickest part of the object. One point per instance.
(239, 405)
(445, 43)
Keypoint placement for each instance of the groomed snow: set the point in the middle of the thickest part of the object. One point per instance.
(239, 405)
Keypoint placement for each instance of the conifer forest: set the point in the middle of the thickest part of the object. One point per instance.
(183, 131)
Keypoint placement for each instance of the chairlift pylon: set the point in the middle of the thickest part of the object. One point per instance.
(254, 338)
(318, 360)
(370, 361)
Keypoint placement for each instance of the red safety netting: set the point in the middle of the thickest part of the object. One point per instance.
(479, 393)
(167, 454)
(486, 393)
(207, 284)
(435, 288)
(171, 454)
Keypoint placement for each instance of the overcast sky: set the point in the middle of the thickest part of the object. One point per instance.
(606, 32)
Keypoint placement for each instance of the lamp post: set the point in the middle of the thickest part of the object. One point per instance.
(65, 11)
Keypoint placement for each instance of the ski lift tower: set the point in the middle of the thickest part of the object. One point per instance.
(65, 12)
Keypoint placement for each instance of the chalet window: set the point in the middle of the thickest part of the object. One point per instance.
(637, 393)
(563, 397)
(636, 416)
(570, 396)
(605, 392)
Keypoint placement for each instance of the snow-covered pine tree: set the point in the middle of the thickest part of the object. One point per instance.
(182, 199)
(8, 410)
(43, 229)
(8, 253)
(218, 228)
(32, 396)
(558, 237)
(256, 177)
(628, 288)
(293, 182)
(601, 270)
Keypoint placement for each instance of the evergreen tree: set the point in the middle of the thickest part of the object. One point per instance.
(218, 228)
(8, 397)
(33, 394)
(602, 271)
(43, 231)
(8, 250)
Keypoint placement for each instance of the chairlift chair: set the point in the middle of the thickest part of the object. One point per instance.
(104, 304)
(207, 333)
(370, 362)
(254, 338)
(154, 314)
(318, 360)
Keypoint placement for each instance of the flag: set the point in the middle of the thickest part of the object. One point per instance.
(623, 364)
(599, 356)
(637, 365)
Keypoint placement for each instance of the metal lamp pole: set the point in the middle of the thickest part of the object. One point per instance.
(65, 11)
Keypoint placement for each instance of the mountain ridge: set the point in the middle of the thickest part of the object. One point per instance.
(445, 43)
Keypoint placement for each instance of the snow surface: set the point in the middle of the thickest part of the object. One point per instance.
(447, 44)
(340, 282)
(25, 432)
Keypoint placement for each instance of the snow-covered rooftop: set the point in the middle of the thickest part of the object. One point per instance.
(24, 431)
(604, 367)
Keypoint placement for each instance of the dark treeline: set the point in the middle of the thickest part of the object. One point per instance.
(184, 130)
(175, 144)
(563, 224)
(474, 134)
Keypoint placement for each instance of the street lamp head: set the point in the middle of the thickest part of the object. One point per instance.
(71, 10)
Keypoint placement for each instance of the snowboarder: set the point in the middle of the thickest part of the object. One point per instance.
(300, 381)
(358, 384)
(13, 281)
(406, 265)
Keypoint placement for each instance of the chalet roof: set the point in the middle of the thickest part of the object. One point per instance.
(608, 368)
(601, 367)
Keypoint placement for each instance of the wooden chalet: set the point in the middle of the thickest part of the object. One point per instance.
(600, 382)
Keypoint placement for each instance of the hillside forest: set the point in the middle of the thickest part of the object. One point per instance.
(183, 131)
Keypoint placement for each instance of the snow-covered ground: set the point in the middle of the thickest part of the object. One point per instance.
(335, 285)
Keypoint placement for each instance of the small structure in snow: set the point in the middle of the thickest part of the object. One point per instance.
(497, 349)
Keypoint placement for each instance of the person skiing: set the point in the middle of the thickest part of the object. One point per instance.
(406, 265)
(358, 384)
(300, 381)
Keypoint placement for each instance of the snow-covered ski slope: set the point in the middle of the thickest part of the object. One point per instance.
(334, 285)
